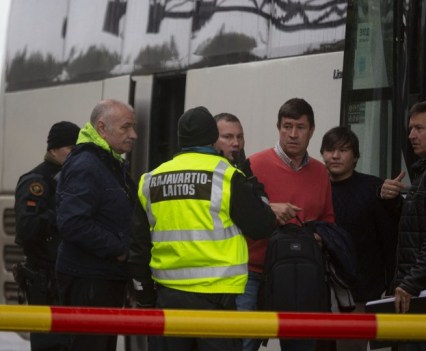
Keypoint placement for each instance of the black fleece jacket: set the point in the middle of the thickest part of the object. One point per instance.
(411, 273)
(374, 230)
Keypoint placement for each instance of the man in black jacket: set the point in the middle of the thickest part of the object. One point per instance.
(95, 200)
(411, 266)
(36, 230)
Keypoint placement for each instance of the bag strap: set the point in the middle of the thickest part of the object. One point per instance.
(303, 224)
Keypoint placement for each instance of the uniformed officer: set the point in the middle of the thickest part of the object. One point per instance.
(36, 230)
(198, 205)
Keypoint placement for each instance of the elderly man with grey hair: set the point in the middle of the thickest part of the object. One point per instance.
(95, 201)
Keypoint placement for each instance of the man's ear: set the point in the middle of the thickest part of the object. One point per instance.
(53, 152)
(311, 132)
(101, 128)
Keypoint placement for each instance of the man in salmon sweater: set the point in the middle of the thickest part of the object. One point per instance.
(296, 184)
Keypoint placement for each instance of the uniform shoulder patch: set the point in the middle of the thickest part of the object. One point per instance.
(36, 188)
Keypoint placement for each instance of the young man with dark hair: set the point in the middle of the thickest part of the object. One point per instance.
(359, 211)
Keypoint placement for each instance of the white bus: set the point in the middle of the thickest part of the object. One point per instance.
(359, 63)
(238, 56)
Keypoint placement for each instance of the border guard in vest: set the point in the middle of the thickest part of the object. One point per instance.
(197, 206)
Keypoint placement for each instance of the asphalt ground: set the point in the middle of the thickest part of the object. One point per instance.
(10, 341)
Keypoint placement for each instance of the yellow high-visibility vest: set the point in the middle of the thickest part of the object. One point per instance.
(196, 245)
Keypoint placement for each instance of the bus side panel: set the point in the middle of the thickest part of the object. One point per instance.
(28, 118)
(30, 114)
(255, 91)
(10, 252)
(115, 88)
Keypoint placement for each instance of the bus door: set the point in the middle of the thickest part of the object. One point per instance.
(159, 101)
(368, 81)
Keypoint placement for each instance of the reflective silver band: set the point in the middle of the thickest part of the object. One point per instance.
(202, 272)
(195, 235)
(216, 195)
(145, 191)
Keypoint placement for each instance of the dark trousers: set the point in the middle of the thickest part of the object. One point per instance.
(307, 344)
(297, 345)
(91, 293)
(41, 290)
(413, 346)
(177, 299)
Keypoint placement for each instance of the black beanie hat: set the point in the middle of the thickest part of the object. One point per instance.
(62, 134)
(197, 127)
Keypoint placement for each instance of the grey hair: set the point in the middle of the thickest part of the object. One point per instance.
(106, 108)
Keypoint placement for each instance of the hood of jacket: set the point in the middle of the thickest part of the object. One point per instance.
(88, 134)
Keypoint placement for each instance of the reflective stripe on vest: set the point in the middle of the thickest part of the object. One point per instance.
(145, 191)
(200, 272)
(216, 199)
(196, 235)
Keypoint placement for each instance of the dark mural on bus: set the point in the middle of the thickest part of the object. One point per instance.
(82, 41)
